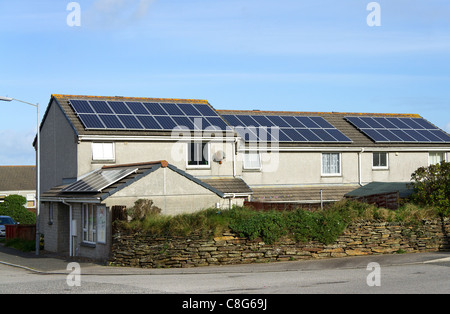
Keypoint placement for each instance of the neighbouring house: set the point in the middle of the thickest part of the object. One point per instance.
(19, 180)
(101, 152)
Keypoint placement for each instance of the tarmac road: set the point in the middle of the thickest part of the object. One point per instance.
(429, 273)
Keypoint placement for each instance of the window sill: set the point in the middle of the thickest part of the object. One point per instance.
(252, 170)
(198, 167)
(103, 161)
(331, 175)
(88, 244)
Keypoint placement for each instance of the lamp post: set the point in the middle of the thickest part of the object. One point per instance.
(38, 170)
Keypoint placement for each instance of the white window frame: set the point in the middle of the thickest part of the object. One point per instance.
(442, 153)
(89, 223)
(246, 163)
(380, 167)
(208, 155)
(337, 174)
(96, 146)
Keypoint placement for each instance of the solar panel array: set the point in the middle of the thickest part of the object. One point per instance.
(262, 128)
(119, 115)
(99, 180)
(406, 130)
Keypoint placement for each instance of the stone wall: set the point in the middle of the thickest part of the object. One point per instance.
(362, 238)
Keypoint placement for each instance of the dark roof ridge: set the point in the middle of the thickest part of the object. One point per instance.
(224, 111)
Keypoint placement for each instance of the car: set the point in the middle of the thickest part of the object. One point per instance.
(5, 220)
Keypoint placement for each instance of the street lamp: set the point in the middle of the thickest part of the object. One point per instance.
(38, 170)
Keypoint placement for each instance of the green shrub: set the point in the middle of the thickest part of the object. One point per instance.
(300, 225)
(432, 187)
(269, 226)
(13, 206)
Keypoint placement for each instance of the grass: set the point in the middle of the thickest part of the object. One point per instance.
(324, 226)
(22, 245)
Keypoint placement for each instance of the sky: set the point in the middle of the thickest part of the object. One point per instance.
(289, 55)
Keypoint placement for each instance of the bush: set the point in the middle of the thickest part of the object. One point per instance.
(432, 187)
(143, 208)
(13, 206)
(300, 225)
(270, 226)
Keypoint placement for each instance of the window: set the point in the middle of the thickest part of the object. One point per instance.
(89, 222)
(436, 157)
(103, 151)
(252, 161)
(198, 155)
(30, 201)
(380, 160)
(331, 164)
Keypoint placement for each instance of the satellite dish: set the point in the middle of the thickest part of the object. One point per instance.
(219, 156)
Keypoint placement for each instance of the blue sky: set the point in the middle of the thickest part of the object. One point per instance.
(270, 55)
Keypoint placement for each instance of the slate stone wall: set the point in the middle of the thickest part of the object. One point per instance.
(360, 238)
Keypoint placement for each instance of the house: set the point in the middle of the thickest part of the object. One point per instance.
(19, 180)
(101, 152)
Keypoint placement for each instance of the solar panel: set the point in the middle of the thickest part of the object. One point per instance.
(399, 129)
(81, 106)
(91, 121)
(290, 128)
(101, 107)
(111, 121)
(99, 180)
(135, 115)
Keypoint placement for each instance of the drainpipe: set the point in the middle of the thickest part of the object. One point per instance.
(234, 157)
(360, 166)
(70, 228)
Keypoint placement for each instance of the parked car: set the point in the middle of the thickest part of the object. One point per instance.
(5, 220)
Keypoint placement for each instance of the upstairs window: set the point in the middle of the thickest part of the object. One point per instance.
(252, 161)
(103, 152)
(331, 164)
(198, 155)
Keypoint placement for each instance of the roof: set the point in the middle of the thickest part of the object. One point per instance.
(374, 188)
(17, 178)
(84, 189)
(300, 194)
(337, 119)
(229, 185)
(142, 169)
(63, 102)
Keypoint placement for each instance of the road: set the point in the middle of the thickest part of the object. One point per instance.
(406, 273)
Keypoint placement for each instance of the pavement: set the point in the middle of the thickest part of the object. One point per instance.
(49, 263)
